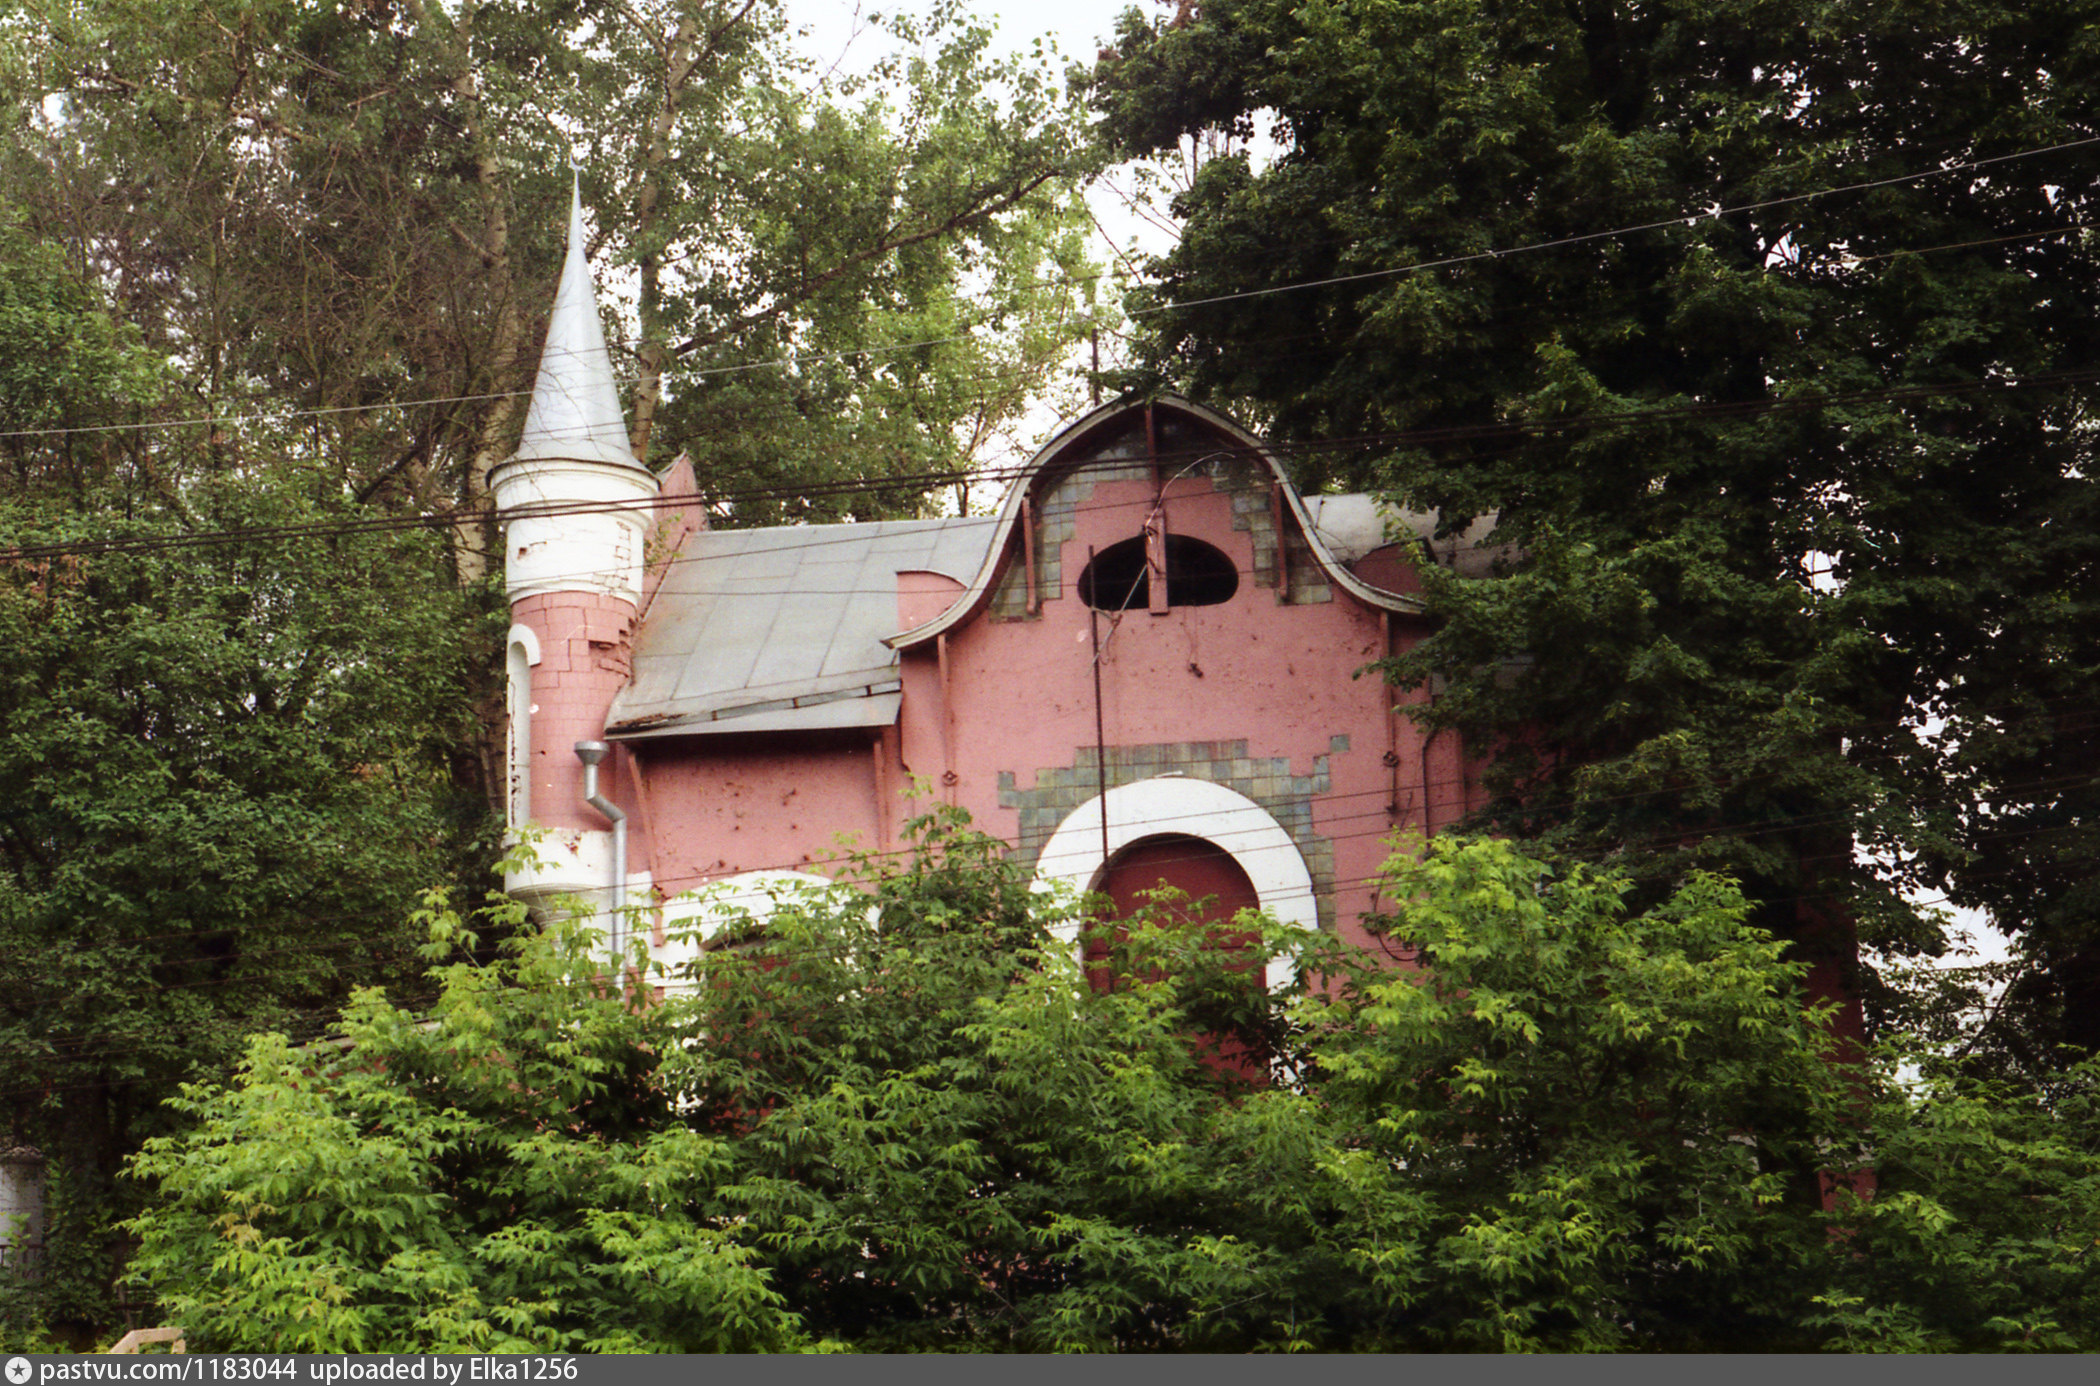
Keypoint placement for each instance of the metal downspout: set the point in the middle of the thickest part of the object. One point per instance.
(591, 753)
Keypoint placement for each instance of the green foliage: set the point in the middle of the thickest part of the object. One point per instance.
(898, 1116)
(1980, 1237)
(64, 362)
(1786, 482)
(272, 265)
(1613, 1115)
(962, 1145)
(225, 762)
(358, 212)
(470, 1181)
(909, 273)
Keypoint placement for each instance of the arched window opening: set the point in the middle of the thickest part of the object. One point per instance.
(518, 687)
(1198, 574)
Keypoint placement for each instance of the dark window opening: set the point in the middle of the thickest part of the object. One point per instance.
(1198, 574)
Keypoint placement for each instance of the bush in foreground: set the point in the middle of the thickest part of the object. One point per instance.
(899, 1118)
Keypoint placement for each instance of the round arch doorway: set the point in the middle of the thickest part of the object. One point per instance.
(1216, 886)
(1213, 888)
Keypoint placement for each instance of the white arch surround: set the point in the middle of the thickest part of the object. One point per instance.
(521, 634)
(1226, 818)
(521, 653)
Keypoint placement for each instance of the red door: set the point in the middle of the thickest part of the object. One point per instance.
(1216, 890)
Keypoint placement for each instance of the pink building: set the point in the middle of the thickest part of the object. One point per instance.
(1145, 666)
(1148, 665)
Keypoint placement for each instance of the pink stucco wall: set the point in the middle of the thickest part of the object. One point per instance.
(1278, 677)
(1014, 708)
(585, 640)
(726, 805)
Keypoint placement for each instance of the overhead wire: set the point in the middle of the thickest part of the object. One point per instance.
(891, 483)
(1151, 502)
(84, 1056)
(1189, 824)
(1523, 430)
(1681, 220)
(842, 355)
(1789, 822)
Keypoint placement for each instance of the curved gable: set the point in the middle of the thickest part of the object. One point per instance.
(1179, 437)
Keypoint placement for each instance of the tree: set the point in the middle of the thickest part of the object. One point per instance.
(1977, 1237)
(354, 217)
(224, 761)
(66, 367)
(1766, 329)
(228, 759)
(476, 1183)
(894, 1114)
(277, 268)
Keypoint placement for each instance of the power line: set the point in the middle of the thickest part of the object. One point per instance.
(1189, 824)
(1515, 430)
(1178, 822)
(1585, 237)
(844, 355)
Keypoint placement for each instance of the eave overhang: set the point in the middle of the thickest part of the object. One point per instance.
(1047, 461)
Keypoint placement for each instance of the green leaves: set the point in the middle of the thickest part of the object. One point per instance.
(343, 228)
(1578, 1124)
(450, 1185)
(1766, 331)
(228, 763)
(1980, 1234)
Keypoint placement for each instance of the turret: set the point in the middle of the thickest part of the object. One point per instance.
(575, 509)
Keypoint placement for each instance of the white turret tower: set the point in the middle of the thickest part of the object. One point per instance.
(575, 507)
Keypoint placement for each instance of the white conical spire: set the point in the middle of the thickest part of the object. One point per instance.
(575, 413)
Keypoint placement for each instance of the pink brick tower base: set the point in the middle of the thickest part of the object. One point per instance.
(585, 650)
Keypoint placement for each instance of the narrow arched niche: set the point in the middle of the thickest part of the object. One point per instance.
(1198, 574)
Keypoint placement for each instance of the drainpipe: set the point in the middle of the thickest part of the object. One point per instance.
(591, 753)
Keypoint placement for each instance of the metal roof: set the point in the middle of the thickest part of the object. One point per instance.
(782, 629)
(796, 628)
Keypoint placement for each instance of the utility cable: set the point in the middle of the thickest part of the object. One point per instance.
(1528, 431)
(799, 358)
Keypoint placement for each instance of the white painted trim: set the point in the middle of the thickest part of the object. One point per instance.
(519, 706)
(519, 655)
(1226, 818)
(522, 635)
(714, 906)
(597, 549)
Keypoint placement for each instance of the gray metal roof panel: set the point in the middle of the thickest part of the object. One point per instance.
(754, 616)
(867, 710)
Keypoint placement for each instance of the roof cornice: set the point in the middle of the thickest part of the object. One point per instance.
(979, 589)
